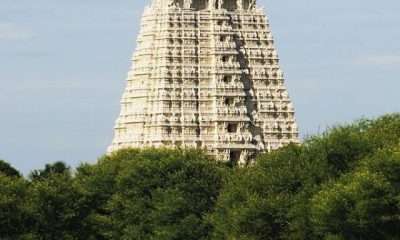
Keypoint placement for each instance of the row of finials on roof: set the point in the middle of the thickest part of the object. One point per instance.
(211, 4)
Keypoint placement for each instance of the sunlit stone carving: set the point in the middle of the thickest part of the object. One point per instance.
(205, 74)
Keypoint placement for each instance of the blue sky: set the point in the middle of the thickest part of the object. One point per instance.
(63, 66)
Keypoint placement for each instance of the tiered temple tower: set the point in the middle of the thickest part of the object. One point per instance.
(205, 74)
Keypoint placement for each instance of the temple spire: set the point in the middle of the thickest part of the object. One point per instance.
(206, 74)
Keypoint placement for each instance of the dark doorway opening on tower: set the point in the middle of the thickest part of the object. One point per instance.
(227, 79)
(230, 5)
(234, 157)
(200, 4)
(229, 101)
(232, 128)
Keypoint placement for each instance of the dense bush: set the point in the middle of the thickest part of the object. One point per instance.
(152, 194)
(344, 184)
(288, 194)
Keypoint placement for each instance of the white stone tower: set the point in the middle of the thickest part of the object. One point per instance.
(205, 74)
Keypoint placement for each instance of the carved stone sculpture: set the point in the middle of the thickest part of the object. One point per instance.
(187, 4)
(239, 4)
(252, 4)
(206, 78)
(170, 3)
(211, 4)
(220, 4)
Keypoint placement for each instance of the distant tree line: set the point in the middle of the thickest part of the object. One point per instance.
(342, 185)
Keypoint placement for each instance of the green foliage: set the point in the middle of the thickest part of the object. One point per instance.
(50, 169)
(155, 193)
(8, 170)
(274, 198)
(59, 207)
(98, 183)
(15, 213)
(364, 204)
(344, 184)
(256, 200)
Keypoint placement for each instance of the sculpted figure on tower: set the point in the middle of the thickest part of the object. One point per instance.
(211, 4)
(188, 4)
(239, 4)
(252, 4)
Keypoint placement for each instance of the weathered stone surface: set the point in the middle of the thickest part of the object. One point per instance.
(206, 74)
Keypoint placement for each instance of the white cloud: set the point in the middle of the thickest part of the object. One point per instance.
(378, 61)
(10, 32)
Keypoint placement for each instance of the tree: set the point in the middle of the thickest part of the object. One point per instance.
(272, 198)
(8, 170)
(98, 182)
(256, 200)
(55, 168)
(344, 184)
(16, 217)
(364, 204)
(153, 193)
(59, 207)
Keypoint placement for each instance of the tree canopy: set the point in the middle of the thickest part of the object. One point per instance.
(326, 188)
(344, 184)
(153, 193)
(8, 170)
(50, 169)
